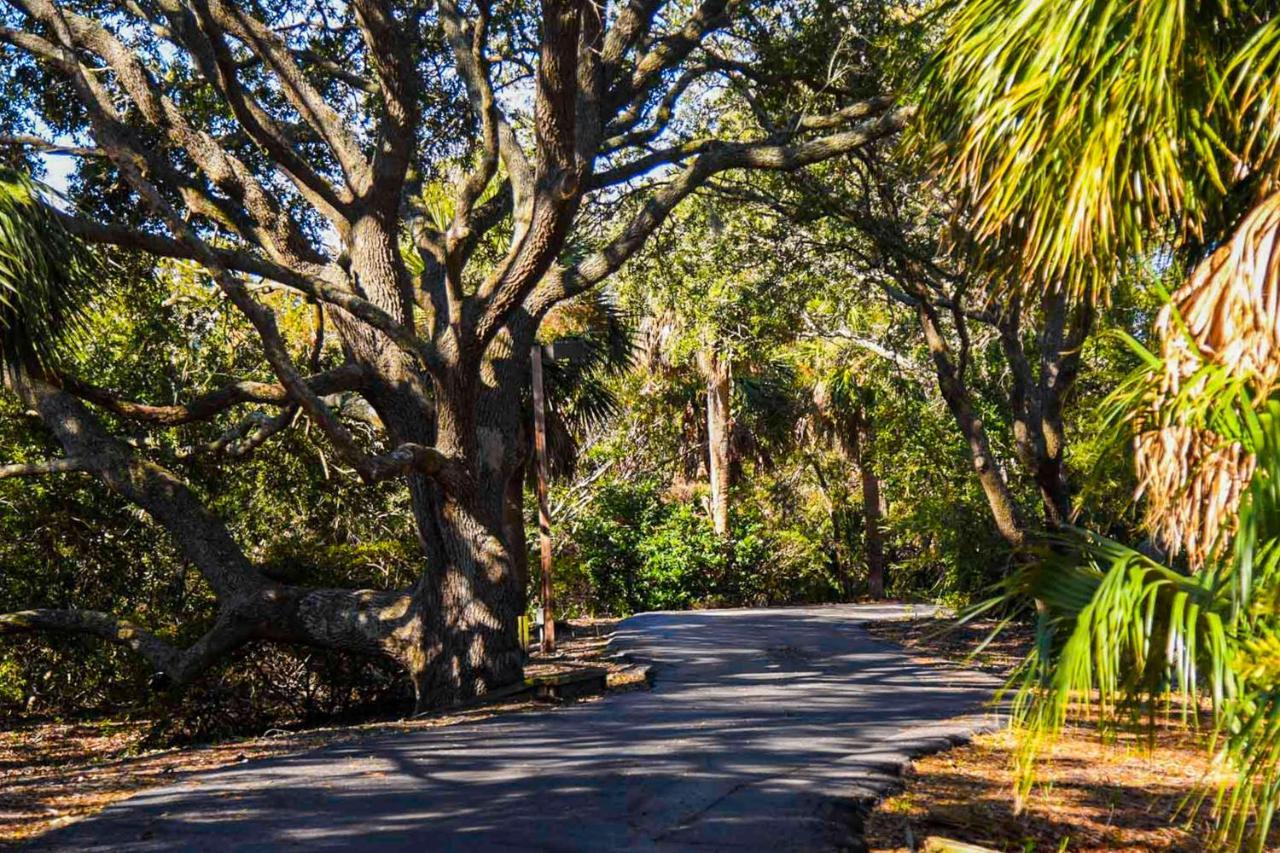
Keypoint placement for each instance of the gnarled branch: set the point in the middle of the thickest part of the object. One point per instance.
(45, 146)
(349, 377)
(49, 466)
(406, 459)
(715, 158)
(173, 666)
(162, 656)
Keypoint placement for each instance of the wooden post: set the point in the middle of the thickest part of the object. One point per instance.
(544, 509)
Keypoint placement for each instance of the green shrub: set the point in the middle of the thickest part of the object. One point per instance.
(632, 549)
(682, 560)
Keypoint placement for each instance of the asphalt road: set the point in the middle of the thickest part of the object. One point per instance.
(763, 731)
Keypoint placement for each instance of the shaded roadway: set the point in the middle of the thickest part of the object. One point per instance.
(764, 730)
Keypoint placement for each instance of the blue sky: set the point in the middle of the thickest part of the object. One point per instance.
(58, 169)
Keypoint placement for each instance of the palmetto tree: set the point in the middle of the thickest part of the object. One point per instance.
(1080, 137)
(840, 414)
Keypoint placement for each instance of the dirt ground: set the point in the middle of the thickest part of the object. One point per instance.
(52, 773)
(1116, 793)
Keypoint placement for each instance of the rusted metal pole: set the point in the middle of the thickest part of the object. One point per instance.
(544, 509)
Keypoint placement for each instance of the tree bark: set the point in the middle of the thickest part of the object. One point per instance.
(1004, 510)
(469, 606)
(873, 506)
(1061, 345)
(717, 371)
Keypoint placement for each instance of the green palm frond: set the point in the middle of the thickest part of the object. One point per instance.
(580, 395)
(1074, 131)
(589, 402)
(577, 386)
(1119, 635)
(1251, 743)
(46, 274)
(1124, 636)
(1253, 87)
(765, 408)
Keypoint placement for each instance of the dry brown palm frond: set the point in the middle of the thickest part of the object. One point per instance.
(1227, 315)
(1193, 481)
(1230, 306)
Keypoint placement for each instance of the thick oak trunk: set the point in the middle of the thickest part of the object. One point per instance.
(464, 610)
(469, 605)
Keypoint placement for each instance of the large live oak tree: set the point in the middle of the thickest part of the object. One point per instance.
(294, 144)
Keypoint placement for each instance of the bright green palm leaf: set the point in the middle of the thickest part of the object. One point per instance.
(46, 274)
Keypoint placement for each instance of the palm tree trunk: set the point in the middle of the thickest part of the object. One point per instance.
(873, 508)
(718, 374)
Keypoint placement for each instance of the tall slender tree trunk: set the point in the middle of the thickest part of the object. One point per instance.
(1061, 347)
(1037, 402)
(1004, 510)
(1036, 405)
(873, 507)
(718, 373)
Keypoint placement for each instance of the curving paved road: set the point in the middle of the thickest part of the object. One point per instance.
(763, 731)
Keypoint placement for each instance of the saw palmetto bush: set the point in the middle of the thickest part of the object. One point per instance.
(1081, 137)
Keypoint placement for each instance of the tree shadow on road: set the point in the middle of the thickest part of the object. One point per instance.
(766, 738)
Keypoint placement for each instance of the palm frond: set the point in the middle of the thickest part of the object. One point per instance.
(1119, 634)
(1073, 132)
(1251, 91)
(1230, 306)
(598, 338)
(1123, 636)
(46, 274)
(1196, 430)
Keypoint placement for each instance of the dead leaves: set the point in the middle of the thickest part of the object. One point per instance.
(1226, 315)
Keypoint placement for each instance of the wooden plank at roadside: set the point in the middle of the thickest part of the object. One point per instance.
(938, 844)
